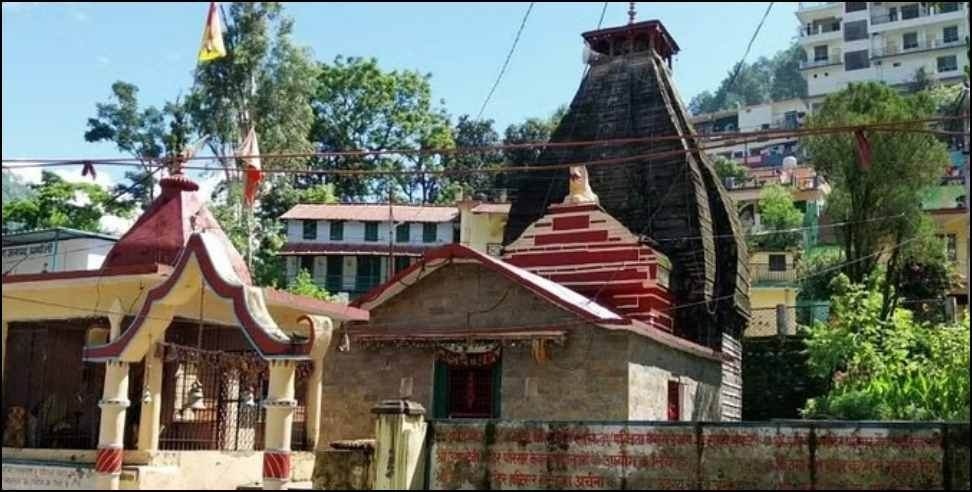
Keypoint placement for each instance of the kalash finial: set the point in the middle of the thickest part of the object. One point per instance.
(631, 12)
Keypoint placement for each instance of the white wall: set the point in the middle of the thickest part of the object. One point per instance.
(354, 233)
(63, 256)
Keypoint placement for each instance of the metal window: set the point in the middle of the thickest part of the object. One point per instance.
(371, 231)
(855, 31)
(310, 230)
(856, 60)
(951, 34)
(777, 263)
(947, 63)
(854, 6)
(429, 232)
(337, 230)
(912, 11)
(674, 401)
(910, 40)
(821, 53)
(403, 232)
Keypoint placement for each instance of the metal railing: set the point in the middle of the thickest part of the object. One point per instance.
(926, 44)
(764, 274)
(921, 12)
(819, 29)
(833, 58)
(754, 183)
(349, 283)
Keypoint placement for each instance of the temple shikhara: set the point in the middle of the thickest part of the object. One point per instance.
(620, 294)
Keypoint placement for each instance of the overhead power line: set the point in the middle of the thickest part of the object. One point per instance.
(506, 63)
(749, 47)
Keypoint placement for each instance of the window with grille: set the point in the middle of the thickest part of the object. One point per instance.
(429, 233)
(947, 63)
(951, 34)
(910, 40)
(820, 53)
(403, 233)
(470, 392)
(310, 230)
(337, 230)
(854, 31)
(856, 60)
(371, 231)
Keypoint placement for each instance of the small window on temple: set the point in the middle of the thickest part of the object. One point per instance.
(777, 263)
(674, 401)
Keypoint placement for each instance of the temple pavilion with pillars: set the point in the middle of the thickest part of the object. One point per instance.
(167, 367)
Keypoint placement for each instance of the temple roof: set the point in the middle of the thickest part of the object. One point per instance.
(161, 233)
(671, 195)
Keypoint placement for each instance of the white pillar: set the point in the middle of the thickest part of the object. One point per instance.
(400, 434)
(111, 439)
(149, 425)
(280, 407)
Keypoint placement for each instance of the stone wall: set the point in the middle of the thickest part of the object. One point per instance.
(797, 455)
(651, 366)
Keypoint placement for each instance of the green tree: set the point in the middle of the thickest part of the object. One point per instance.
(531, 130)
(817, 270)
(788, 81)
(359, 106)
(887, 368)
(727, 168)
(139, 132)
(884, 200)
(779, 216)
(470, 133)
(55, 202)
(303, 285)
(265, 80)
(13, 188)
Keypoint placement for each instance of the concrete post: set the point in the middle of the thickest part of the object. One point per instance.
(313, 400)
(3, 364)
(280, 407)
(114, 403)
(149, 425)
(400, 434)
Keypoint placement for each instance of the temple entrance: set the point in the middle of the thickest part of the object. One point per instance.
(467, 381)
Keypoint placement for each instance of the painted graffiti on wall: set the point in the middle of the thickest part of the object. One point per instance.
(510, 455)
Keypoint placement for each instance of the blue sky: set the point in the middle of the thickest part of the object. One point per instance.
(60, 59)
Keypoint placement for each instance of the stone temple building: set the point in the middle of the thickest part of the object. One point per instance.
(621, 293)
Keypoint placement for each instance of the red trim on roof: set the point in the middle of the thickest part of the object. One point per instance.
(455, 251)
(371, 212)
(260, 339)
(298, 249)
(75, 274)
(339, 311)
(420, 333)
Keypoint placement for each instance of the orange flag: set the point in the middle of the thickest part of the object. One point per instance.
(250, 154)
(212, 40)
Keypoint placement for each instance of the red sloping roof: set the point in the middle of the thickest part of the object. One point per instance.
(492, 208)
(551, 291)
(372, 213)
(299, 249)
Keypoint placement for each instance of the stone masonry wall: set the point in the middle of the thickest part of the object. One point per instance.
(651, 366)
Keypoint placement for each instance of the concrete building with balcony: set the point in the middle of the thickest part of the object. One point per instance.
(889, 42)
(351, 248)
(767, 152)
(774, 273)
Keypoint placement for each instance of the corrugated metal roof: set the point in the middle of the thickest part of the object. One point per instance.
(48, 235)
(372, 213)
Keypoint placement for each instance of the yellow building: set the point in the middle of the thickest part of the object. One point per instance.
(481, 225)
(773, 273)
(948, 206)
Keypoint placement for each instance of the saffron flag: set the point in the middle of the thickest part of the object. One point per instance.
(212, 40)
(250, 154)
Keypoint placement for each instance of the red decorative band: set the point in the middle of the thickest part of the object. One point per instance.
(276, 465)
(109, 461)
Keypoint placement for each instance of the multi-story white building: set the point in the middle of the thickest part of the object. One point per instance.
(54, 250)
(881, 41)
(351, 248)
(780, 115)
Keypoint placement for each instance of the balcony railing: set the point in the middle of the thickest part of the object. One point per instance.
(926, 44)
(833, 58)
(819, 29)
(352, 284)
(920, 12)
(764, 274)
(755, 183)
